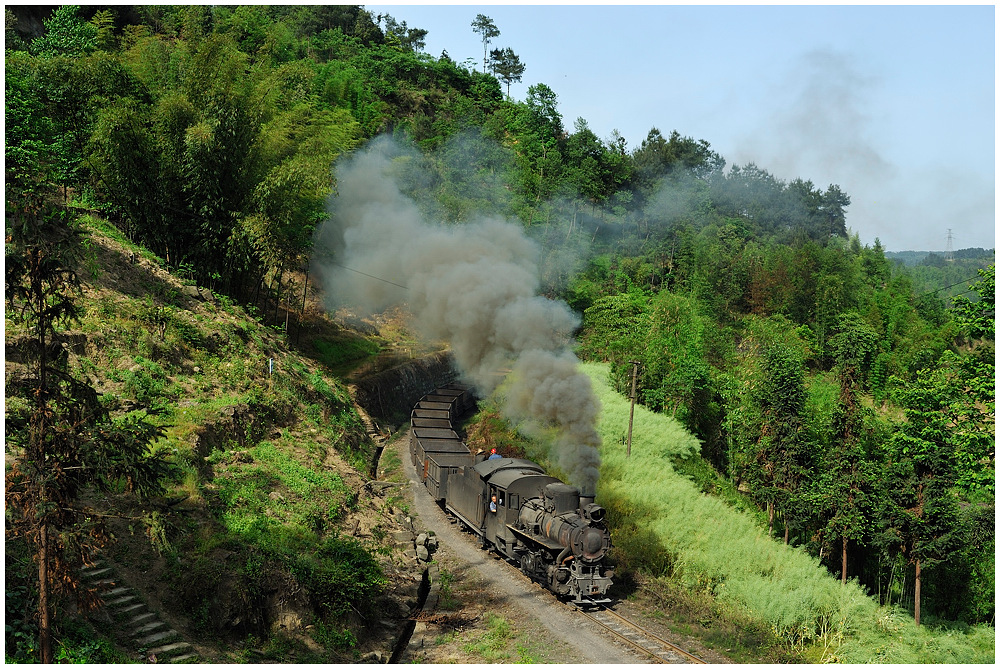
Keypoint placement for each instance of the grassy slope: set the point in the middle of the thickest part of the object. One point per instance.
(269, 492)
(664, 519)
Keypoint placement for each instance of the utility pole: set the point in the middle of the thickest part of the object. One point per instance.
(631, 412)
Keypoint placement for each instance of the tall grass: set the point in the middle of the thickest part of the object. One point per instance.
(668, 526)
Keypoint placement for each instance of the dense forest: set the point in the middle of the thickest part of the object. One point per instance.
(847, 396)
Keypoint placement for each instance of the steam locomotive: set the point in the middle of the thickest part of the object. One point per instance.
(555, 534)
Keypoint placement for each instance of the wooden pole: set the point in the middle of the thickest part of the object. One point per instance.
(631, 413)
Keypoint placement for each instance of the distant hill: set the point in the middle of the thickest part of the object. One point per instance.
(933, 273)
(911, 258)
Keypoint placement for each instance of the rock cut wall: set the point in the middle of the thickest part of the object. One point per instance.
(389, 395)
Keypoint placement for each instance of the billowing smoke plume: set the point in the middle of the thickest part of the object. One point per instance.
(550, 388)
(473, 285)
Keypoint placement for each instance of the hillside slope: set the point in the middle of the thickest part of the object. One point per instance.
(272, 541)
(665, 523)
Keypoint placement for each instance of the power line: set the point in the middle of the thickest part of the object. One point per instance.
(370, 276)
(951, 286)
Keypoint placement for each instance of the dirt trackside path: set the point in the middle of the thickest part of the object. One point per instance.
(465, 629)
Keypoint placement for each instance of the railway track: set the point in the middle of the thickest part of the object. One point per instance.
(645, 641)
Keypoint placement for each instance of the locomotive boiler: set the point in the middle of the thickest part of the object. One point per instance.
(555, 534)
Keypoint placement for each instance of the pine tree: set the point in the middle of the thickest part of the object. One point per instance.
(59, 435)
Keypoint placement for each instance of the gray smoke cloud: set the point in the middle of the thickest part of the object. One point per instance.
(473, 285)
(820, 123)
(551, 390)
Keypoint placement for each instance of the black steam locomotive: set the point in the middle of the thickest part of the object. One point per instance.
(556, 535)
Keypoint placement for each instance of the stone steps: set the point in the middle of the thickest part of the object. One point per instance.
(157, 637)
(137, 626)
(156, 625)
(190, 657)
(142, 619)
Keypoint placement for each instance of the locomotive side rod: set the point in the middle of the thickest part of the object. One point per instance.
(659, 649)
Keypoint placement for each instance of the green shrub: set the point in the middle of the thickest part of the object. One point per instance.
(333, 354)
(188, 332)
(492, 646)
(331, 636)
(20, 606)
(145, 382)
(340, 576)
(447, 601)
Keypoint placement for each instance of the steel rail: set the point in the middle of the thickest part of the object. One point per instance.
(661, 654)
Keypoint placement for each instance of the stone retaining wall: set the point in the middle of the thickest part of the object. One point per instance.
(390, 395)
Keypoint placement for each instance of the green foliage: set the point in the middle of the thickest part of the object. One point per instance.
(483, 26)
(342, 575)
(855, 347)
(20, 605)
(146, 382)
(946, 439)
(66, 34)
(220, 159)
(447, 601)
(84, 649)
(334, 354)
(28, 132)
(979, 318)
(493, 645)
(329, 635)
(657, 159)
(507, 66)
(672, 529)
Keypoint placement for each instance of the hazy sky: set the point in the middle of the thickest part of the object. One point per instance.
(893, 103)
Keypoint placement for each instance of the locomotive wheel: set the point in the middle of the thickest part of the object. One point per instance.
(526, 564)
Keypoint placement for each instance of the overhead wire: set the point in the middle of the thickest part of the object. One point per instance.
(370, 276)
(951, 286)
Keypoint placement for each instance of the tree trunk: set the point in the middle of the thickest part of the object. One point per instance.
(44, 626)
(37, 452)
(916, 579)
(277, 299)
(786, 532)
(770, 519)
(256, 294)
(843, 562)
(302, 311)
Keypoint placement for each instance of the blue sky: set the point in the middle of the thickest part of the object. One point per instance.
(896, 104)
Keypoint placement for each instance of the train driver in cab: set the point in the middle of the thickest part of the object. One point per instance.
(493, 504)
(494, 455)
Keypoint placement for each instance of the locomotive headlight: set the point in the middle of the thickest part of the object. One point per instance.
(593, 512)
